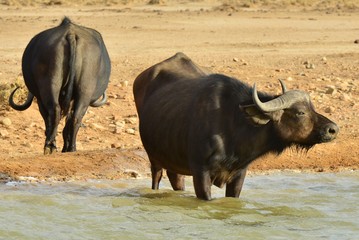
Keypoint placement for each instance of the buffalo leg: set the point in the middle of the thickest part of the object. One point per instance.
(51, 115)
(202, 185)
(71, 129)
(176, 180)
(234, 188)
(156, 176)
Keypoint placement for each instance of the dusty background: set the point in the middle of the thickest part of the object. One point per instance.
(312, 46)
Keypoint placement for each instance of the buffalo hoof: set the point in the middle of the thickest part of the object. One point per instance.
(49, 150)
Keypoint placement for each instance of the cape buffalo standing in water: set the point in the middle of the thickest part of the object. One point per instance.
(212, 126)
(67, 69)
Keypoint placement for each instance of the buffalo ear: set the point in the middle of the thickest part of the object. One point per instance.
(255, 115)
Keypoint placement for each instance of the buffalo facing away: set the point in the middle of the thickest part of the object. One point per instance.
(212, 126)
(67, 69)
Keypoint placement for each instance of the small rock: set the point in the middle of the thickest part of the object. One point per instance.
(289, 79)
(118, 130)
(329, 109)
(356, 41)
(116, 117)
(130, 131)
(131, 120)
(345, 97)
(6, 121)
(124, 83)
(330, 90)
(113, 95)
(310, 66)
(324, 59)
(4, 133)
(235, 59)
(132, 173)
(120, 124)
(116, 145)
(97, 126)
(28, 145)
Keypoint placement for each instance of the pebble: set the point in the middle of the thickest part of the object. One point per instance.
(132, 173)
(121, 85)
(310, 66)
(97, 126)
(120, 124)
(131, 120)
(356, 41)
(329, 109)
(130, 131)
(330, 90)
(116, 145)
(28, 145)
(118, 130)
(4, 133)
(6, 121)
(345, 97)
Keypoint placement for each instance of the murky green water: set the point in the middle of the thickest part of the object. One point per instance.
(276, 206)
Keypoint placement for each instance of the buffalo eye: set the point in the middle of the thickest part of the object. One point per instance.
(300, 113)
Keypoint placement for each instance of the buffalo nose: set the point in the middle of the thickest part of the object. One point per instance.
(331, 131)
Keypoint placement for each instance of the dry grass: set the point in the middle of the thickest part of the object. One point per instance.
(6, 89)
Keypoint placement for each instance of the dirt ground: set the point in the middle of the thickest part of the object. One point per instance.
(310, 48)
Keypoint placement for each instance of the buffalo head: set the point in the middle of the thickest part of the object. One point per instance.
(293, 117)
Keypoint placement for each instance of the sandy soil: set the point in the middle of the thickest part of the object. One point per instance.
(311, 50)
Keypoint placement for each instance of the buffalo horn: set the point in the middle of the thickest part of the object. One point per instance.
(284, 88)
(281, 102)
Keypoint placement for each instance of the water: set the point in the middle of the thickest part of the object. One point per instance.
(275, 206)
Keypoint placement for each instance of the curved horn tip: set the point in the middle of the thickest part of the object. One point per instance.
(255, 95)
(284, 88)
(254, 87)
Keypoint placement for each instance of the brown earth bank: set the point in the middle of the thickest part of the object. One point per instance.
(311, 47)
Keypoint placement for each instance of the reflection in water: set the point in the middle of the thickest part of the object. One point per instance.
(276, 206)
